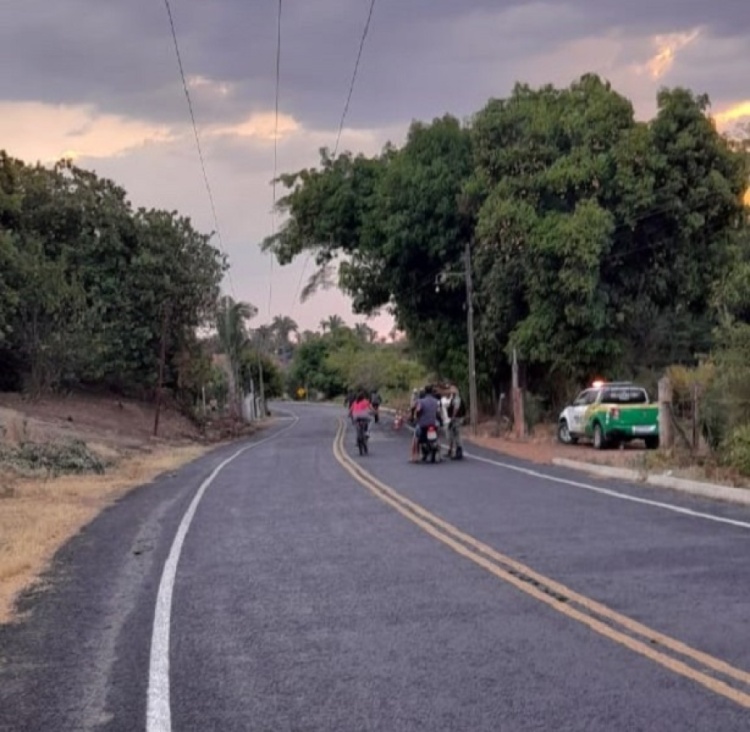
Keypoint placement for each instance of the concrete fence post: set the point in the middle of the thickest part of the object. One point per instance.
(666, 433)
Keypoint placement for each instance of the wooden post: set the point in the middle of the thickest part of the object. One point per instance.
(162, 360)
(666, 433)
(473, 399)
(698, 440)
(499, 414)
(519, 418)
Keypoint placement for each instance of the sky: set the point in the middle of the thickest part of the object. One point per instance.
(98, 80)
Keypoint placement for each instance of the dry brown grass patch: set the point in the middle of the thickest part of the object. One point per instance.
(37, 516)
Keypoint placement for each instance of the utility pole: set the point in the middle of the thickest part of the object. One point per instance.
(260, 379)
(162, 360)
(470, 329)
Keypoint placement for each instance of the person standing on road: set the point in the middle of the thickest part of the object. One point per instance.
(450, 404)
(415, 397)
(375, 400)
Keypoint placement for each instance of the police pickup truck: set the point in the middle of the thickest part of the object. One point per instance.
(609, 413)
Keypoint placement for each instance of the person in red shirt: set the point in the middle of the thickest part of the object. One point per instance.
(360, 410)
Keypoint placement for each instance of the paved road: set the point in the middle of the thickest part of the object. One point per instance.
(290, 590)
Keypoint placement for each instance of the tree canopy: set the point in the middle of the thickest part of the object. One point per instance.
(600, 243)
(87, 283)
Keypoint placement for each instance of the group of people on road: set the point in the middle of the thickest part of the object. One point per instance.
(438, 405)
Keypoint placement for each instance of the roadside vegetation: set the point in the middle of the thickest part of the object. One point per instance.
(602, 246)
(92, 293)
(329, 363)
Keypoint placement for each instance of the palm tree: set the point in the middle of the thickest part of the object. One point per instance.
(283, 326)
(332, 323)
(231, 329)
(364, 332)
(263, 337)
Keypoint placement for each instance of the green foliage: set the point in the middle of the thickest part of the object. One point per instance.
(341, 359)
(598, 219)
(600, 244)
(375, 367)
(216, 386)
(86, 282)
(737, 449)
(311, 370)
(397, 219)
(273, 379)
(726, 403)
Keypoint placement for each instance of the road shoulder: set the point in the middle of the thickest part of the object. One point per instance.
(542, 451)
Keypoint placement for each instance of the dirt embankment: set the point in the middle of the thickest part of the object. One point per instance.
(52, 454)
(542, 446)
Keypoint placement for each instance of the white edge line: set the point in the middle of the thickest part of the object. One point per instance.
(608, 492)
(158, 708)
(611, 493)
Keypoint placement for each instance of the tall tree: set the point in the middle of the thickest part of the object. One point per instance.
(283, 327)
(332, 323)
(365, 333)
(396, 218)
(596, 240)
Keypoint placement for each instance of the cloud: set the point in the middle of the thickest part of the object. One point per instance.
(47, 132)
(167, 174)
(261, 126)
(422, 57)
(100, 80)
(210, 86)
(667, 47)
(738, 112)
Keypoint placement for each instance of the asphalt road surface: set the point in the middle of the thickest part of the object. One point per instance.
(297, 586)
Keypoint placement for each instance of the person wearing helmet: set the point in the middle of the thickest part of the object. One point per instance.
(427, 412)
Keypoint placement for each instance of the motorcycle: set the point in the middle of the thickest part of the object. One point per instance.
(429, 444)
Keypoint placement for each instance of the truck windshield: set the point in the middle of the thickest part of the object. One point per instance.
(624, 396)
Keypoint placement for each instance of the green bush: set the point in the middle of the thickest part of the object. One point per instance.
(54, 458)
(725, 406)
(534, 410)
(736, 449)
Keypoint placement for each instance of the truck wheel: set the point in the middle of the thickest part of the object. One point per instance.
(652, 442)
(563, 433)
(599, 442)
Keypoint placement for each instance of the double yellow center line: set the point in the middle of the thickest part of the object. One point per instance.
(708, 671)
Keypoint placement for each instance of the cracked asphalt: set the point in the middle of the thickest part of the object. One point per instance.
(304, 602)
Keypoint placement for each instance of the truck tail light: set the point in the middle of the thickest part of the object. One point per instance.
(614, 412)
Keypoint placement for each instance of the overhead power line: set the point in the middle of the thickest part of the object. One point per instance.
(275, 147)
(354, 77)
(341, 126)
(197, 139)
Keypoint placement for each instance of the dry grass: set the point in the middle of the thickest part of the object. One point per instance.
(702, 467)
(38, 516)
(39, 511)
